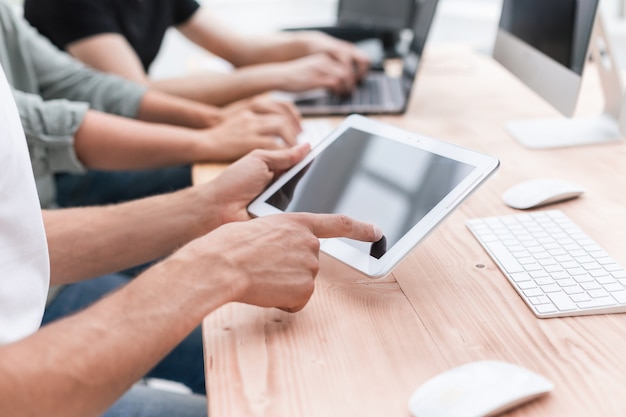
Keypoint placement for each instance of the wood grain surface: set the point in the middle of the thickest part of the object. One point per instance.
(361, 346)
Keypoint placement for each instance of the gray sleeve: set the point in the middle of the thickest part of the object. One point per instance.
(50, 127)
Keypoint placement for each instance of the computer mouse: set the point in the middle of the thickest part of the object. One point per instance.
(477, 389)
(540, 192)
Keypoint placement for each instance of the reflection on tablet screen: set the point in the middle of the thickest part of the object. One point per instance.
(373, 179)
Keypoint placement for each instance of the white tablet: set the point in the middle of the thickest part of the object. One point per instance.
(400, 181)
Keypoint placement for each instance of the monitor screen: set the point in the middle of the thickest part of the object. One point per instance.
(546, 43)
(376, 14)
(561, 29)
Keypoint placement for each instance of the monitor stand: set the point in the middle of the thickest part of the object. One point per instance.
(608, 127)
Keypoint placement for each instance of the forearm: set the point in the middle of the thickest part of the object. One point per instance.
(222, 89)
(277, 47)
(77, 367)
(156, 106)
(92, 241)
(105, 141)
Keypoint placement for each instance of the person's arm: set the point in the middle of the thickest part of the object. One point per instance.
(111, 53)
(161, 107)
(207, 31)
(92, 241)
(78, 366)
(311, 72)
(105, 141)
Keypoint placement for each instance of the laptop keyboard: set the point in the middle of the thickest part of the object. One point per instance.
(367, 92)
(377, 90)
(555, 267)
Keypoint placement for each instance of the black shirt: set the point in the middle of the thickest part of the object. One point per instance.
(142, 22)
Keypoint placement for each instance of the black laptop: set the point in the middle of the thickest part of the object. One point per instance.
(378, 92)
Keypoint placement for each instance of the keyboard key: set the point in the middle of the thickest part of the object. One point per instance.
(543, 281)
(583, 278)
(597, 273)
(577, 289)
(599, 293)
(533, 292)
(527, 285)
(577, 298)
(521, 276)
(562, 301)
(576, 271)
(567, 282)
(542, 299)
(560, 275)
(589, 286)
(546, 308)
(620, 296)
(550, 288)
(508, 262)
(606, 280)
(597, 302)
(538, 274)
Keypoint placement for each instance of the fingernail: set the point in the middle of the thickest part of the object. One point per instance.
(378, 233)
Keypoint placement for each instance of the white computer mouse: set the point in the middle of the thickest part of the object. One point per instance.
(477, 389)
(540, 192)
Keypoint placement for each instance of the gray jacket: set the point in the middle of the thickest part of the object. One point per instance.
(53, 92)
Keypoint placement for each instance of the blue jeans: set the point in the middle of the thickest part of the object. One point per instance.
(110, 187)
(141, 401)
(184, 364)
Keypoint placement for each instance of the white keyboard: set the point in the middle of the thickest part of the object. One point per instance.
(555, 267)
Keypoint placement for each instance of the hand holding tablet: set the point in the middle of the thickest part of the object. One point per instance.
(400, 181)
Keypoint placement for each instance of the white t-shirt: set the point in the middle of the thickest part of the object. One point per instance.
(24, 263)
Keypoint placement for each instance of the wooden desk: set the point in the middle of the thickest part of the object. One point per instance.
(361, 346)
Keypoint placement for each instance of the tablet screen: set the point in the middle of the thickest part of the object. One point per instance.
(370, 178)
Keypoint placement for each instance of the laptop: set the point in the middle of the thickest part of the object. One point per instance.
(378, 92)
(377, 15)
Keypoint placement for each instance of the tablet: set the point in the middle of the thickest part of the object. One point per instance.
(403, 182)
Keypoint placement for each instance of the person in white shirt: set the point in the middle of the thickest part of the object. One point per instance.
(86, 364)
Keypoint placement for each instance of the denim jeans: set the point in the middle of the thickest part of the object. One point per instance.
(110, 187)
(141, 401)
(184, 364)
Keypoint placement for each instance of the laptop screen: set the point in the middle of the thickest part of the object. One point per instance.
(422, 23)
(375, 14)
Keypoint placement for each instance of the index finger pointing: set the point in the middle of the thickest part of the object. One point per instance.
(338, 225)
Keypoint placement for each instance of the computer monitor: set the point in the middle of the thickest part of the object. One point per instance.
(546, 44)
(392, 15)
